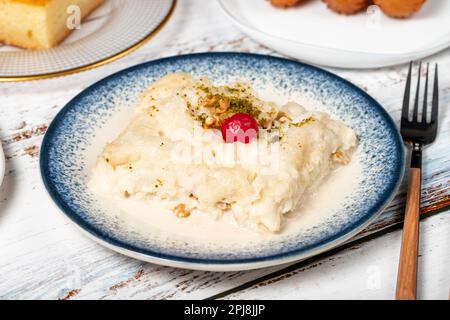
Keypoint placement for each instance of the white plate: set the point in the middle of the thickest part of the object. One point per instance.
(313, 33)
(81, 129)
(113, 30)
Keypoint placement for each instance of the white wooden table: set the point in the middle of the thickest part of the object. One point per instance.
(42, 256)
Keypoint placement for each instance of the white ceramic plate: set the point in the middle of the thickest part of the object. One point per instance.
(79, 132)
(114, 29)
(312, 33)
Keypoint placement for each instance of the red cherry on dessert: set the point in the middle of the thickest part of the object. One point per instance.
(240, 127)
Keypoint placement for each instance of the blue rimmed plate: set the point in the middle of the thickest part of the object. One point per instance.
(78, 133)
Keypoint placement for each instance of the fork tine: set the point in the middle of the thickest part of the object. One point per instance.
(435, 102)
(425, 96)
(416, 100)
(405, 108)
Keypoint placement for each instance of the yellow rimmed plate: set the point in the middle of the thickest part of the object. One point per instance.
(115, 29)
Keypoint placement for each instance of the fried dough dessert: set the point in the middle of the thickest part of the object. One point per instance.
(285, 3)
(347, 7)
(399, 8)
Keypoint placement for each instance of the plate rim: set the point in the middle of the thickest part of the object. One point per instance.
(2, 163)
(98, 63)
(243, 26)
(208, 263)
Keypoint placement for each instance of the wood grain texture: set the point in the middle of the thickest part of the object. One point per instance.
(365, 271)
(407, 272)
(43, 256)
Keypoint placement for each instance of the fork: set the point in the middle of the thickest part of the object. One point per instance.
(416, 132)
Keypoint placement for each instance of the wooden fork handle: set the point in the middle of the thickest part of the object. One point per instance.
(407, 271)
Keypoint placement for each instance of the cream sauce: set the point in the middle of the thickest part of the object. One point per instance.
(317, 206)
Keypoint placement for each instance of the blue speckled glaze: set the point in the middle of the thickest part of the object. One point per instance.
(67, 157)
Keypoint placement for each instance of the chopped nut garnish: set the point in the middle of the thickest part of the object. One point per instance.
(181, 211)
(283, 117)
(224, 104)
(211, 102)
(126, 194)
(209, 121)
(223, 205)
(340, 157)
(212, 122)
(192, 196)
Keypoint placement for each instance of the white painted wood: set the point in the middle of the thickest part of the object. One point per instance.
(43, 256)
(368, 271)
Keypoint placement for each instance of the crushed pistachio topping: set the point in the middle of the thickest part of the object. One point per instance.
(152, 110)
(302, 123)
(215, 104)
(158, 183)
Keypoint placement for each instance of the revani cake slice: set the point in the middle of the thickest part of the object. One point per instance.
(39, 24)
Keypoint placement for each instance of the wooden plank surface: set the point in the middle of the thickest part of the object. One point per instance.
(364, 271)
(43, 256)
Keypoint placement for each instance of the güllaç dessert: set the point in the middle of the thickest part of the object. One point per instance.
(184, 146)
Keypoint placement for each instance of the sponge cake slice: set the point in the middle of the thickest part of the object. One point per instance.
(39, 24)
